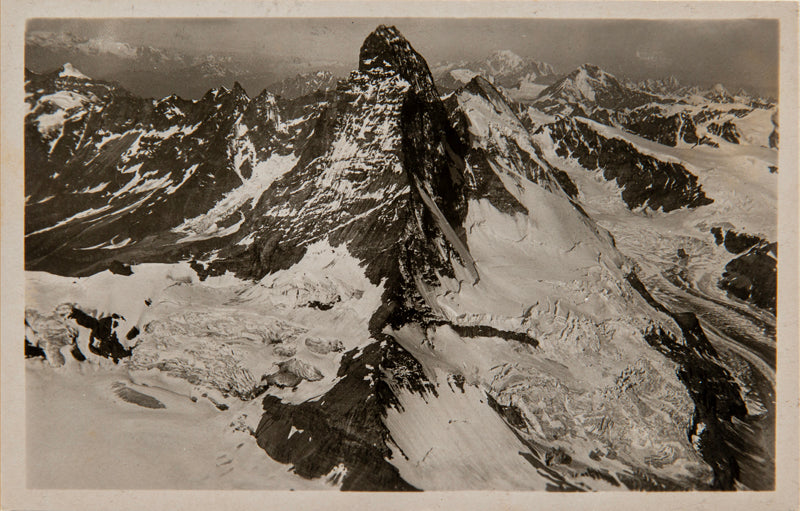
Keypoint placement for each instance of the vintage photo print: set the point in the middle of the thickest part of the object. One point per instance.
(411, 255)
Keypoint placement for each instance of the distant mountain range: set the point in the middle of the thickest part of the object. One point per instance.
(522, 77)
(156, 72)
(303, 84)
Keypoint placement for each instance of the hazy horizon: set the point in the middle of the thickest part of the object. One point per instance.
(736, 53)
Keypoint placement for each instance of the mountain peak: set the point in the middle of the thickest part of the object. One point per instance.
(386, 50)
(390, 33)
(592, 70)
(505, 59)
(590, 85)
(481, 86)
(385, 47)
(668, 85)
(70, 71)
(719, 93)
(265, 95)
(304, 83)
(239, 90)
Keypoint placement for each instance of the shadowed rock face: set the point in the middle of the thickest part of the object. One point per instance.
(735, 242)
(46, 334)
(645, 181)
(664, 130)
(399, 194)
(401, 238)
(716, 396)
(103, 341)
(32, 351)
(127, 169)
(316, 437)
(753, 277)
(385, 48)
(345, 427)
(650, 121)
(486, 183)
(727, 131)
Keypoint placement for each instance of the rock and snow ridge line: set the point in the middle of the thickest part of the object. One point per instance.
(170, 148)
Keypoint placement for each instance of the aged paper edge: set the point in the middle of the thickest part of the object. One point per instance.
(13, 492)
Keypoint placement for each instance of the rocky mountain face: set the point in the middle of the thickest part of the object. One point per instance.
(120, 169)
(590, 87)
(751, 276)
(587, 112)
(644, 181)
(413, 291)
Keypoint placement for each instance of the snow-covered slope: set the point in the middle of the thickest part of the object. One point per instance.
(718, 259)
(117, 168)
(587, 87)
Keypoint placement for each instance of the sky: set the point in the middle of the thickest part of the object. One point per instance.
(736, 53)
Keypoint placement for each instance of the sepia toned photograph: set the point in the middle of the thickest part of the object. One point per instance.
(402, 253)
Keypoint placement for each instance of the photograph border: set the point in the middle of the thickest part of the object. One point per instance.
(13, 491)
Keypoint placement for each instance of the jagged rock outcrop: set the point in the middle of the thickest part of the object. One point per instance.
(752, 275)
(47, 334)
(118, 169)
(644, 181)
(727, 131)
(651, 124)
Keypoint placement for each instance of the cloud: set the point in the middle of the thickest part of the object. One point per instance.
(105, 45)
(71, 42)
